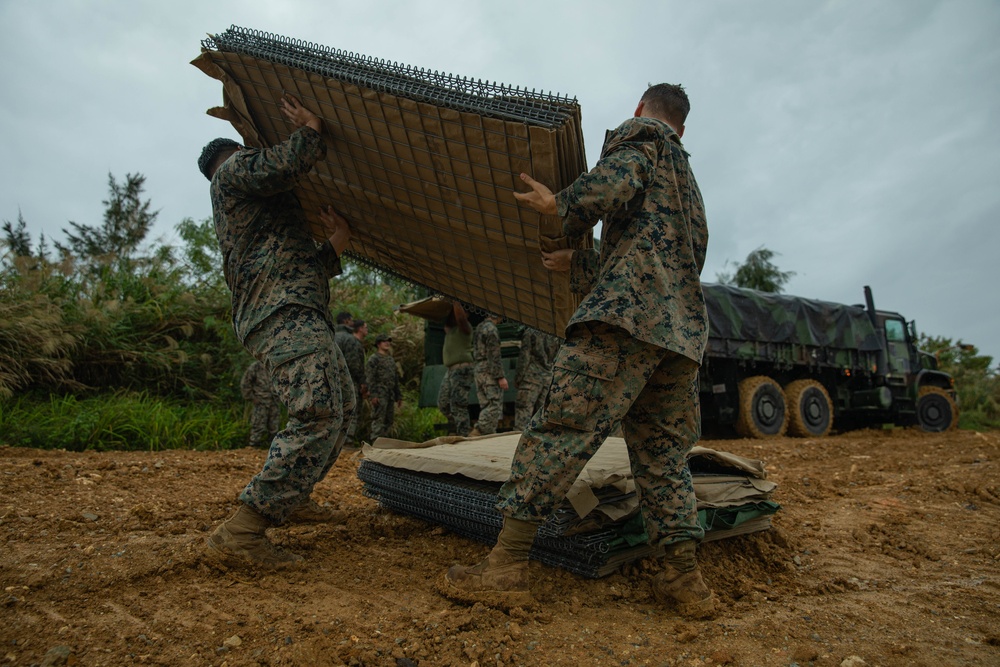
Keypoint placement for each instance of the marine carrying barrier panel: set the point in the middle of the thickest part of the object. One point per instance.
(423, 164)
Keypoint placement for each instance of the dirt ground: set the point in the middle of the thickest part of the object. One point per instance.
(886, 552)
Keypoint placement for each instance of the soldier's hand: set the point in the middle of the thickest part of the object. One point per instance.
(374, 401)
(298, 114)
(558, 260)
(540, 198)
(503, 384)
(341, 229)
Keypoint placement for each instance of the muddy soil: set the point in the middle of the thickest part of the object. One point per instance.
(886, 552)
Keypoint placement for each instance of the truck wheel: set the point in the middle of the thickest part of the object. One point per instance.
(810, 410)
(762, 411)
(936, 410)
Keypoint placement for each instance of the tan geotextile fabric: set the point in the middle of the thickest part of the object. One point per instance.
(431, 308)
(734, 480)
(428, 190)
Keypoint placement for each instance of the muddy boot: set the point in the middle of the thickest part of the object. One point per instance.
(680, 584)
(502, 578)
(312, 512)
(242, 536)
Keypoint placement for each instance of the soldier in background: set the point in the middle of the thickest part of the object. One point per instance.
(383, 387)
(453, 396)
(350, 343)
(265, 414)
(534, 373)
(490, 380)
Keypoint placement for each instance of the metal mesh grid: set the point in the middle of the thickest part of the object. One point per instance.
(424, 165)
(467, 508)
(464, 94)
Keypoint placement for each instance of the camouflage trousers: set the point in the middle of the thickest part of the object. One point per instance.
(602, 375)
(453, 397)
(265, 417)
(310, 378)
(530, 397)
(383, 414)
(490, 403)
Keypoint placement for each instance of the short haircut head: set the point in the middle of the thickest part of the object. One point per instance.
(212, 151)
(667, 101)
(358, 324)
(343, 317)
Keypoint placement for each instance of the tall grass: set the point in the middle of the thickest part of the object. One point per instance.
(121, 421)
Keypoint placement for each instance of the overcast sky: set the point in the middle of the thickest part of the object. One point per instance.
(852, 137)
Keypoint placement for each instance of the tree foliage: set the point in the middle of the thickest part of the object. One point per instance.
(757, 272)
(116, 316)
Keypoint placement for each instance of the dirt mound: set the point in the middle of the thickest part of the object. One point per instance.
(886, 550)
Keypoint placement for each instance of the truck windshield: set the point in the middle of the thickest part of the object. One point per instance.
(895, 331)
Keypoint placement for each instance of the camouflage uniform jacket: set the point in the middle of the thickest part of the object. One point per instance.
(383, 382)
(268, 257)
(486, 349)
(534, 361)
(654, 236)
(354, 353)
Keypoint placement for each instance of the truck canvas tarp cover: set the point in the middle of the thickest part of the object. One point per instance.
(748, 315)
(423, 165)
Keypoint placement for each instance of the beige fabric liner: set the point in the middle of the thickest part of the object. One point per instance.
(428, 190)
(489, 457)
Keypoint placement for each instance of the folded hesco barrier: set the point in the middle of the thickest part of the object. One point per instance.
(733, 498)
(423, 164)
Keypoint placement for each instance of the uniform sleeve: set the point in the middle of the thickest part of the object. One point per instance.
(583, 270)
(329, 260)
(625, 170)
(273, 170)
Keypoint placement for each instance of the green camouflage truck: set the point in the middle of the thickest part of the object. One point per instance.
(778, 363)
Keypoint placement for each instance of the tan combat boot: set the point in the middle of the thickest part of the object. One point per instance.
(502, 578)
(242, 536)
(312, 512)
(681, 584)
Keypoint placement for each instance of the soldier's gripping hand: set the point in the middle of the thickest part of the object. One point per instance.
(540, 198)
(341, 229)
(298, 114)
(557, 260)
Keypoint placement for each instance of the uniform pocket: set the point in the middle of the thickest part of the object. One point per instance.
(578, 388)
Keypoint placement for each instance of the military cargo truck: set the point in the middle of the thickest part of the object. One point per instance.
(778, 363)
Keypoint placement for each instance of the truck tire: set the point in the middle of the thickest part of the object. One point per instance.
(810, 410)
(936, 410)
(762, 412)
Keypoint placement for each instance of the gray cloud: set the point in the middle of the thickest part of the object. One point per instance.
(853, 138)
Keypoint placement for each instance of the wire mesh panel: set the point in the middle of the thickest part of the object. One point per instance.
(423, 164)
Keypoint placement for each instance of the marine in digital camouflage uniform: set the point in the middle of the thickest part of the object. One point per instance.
(631, 354)
(490, 380)
(265, 413)
(354, 354)
(453, 395)
(383, 387)
(534, 373)
(279, 279)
